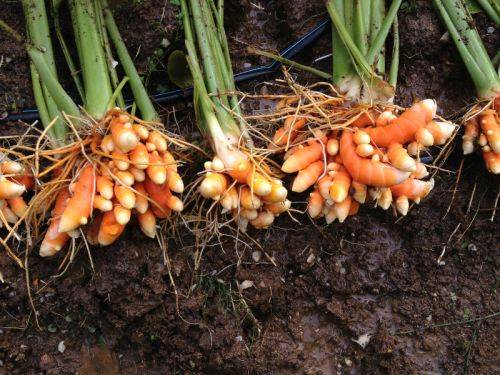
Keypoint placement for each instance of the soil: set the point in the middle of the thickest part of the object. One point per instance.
(374, 295)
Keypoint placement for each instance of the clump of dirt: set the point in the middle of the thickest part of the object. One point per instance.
(376, 294)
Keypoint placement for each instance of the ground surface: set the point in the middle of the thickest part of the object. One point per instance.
(372, 280)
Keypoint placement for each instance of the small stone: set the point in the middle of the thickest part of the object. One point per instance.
(311, 258)
(248, 65)
(490, 30)
(348, 362)
(429, 318)
(363, 340)
(246, 284)
(472, 247)
(238, 338)
(256, 256)
(61, 347)
(165, 42)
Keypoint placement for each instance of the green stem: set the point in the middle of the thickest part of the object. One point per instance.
(348, 18)
(379, 41)
(378, 88)
(212, 78)
(473, 55)
(60, 97)
(141, 96)
(221, 32)
(43, 112)
(93, 62)
(490, 11)
(360, 26)
(221, 67)
(377, 16)
(357, 56)
(366, 10)
(342, 66)
(496, 5)
(214, 81)
(461, 18)
(118, 91)
(37, 26)
(113, 75)
(291, 63)
(393, 71)
(65, 49)
(208, 124)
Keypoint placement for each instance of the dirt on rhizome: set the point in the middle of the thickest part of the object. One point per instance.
(376, 294)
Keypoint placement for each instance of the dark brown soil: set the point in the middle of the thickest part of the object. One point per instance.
(363, 297)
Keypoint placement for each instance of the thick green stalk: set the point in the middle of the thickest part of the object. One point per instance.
(377, 16)
(475, 59)
(110, 60)
(490, 10)
(92, 59)
(348, 18)
(60, 97)
(214, 42)
(342, 66)
(39, 35)
(43, 112)
(379, 41)
(362, 66)
(212, 78)
(187, 27)
(38, 30)
(221, 32)
(461, 18)
(225, 119)
(208, 124)
(367, 14)
(141, 96)
(360, 26)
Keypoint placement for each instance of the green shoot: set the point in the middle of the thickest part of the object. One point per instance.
(142, 99)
